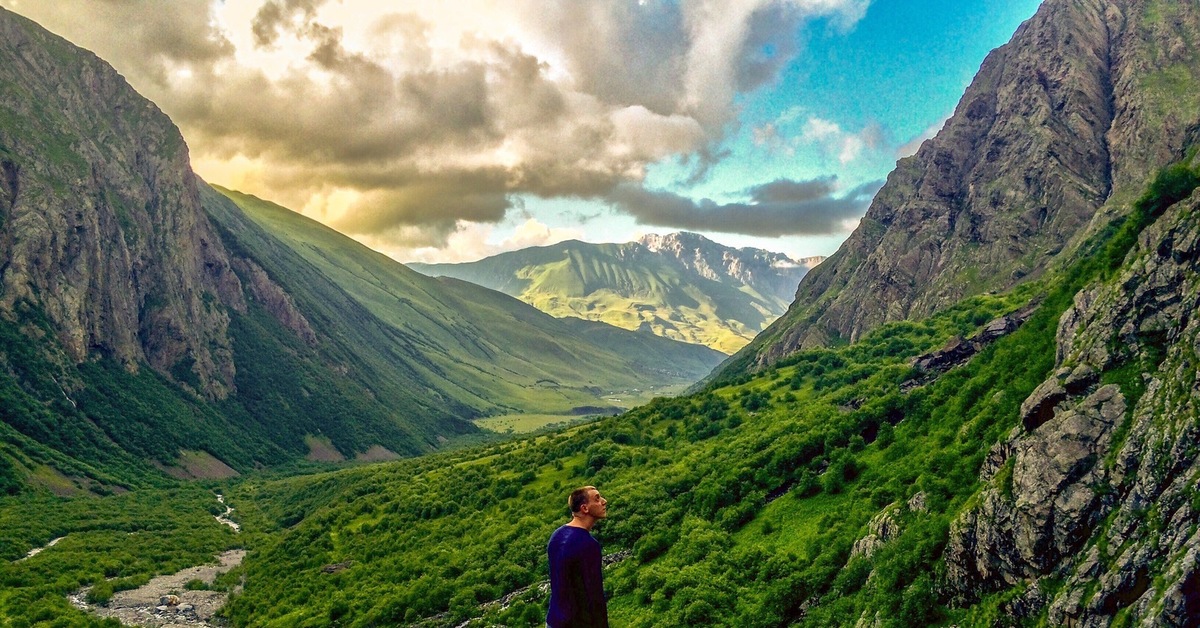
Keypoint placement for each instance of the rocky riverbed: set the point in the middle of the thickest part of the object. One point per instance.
(164, 603)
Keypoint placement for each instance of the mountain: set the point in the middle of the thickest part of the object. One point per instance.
(1059, 130)
(474, 346)
(147, 322)
(1022, 458)
(1025, 456)
(681, 286)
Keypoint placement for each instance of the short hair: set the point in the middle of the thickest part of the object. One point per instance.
(578, 498)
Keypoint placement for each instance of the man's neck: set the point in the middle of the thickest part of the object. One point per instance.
(584, 522)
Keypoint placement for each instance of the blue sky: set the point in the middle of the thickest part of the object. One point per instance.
(449, 131)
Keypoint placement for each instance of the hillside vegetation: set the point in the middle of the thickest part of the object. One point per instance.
(479, 349)
(149, 327)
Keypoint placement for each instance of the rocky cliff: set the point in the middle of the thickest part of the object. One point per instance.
(770, 273)
(103, 232)
(1092, 505)
(1087, 99)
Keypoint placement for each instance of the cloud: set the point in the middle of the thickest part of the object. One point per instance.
(827, 136)
(401, 119)
(471, 241)
(779, 208)
(910, 147)
(142, 39)
(846, 146)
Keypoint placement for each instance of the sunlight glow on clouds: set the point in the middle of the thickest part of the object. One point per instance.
(401, 122)
(471, 241)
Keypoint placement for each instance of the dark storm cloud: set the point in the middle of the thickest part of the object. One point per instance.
(775, 209)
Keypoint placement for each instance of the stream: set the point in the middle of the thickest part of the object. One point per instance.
(38, 550)
(164, 602)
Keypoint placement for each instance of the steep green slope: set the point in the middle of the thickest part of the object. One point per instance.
(475, 347)
(837, 485)
(681, 286)
(148, 326)
(131, 340)
(720, 497)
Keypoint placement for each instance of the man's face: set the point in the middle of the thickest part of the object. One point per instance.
(596, 505)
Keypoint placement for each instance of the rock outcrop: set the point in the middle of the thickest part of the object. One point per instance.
(773, 274)
(1096, 490)
(1087, 100)
(103, 231)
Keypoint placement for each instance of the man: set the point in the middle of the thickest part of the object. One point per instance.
(576, 585)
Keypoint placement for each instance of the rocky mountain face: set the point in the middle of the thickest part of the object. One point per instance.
(103, 232)
(1059, 129)
(681, 286)
(1092, 504)
(767, 272)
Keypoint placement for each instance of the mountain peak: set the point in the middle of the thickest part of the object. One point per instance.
(656, 242)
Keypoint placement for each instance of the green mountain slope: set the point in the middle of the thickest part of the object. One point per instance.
(1060, 127)
(1025, 457)
(681, 286)
(472, 346)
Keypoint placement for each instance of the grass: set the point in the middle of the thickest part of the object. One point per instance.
(526, 423)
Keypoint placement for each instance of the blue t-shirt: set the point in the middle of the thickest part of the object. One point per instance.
(576, 585)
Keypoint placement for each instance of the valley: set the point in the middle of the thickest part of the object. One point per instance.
(983, 409)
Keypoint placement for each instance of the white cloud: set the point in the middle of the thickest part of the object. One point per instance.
(471, 241)
(396, 121)
(833, 140)
(910, 147)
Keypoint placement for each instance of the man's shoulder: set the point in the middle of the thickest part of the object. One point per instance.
(568, 533)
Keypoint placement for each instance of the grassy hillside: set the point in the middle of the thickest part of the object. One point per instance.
(629, 286)
(393, 363)
(475, 348)
(738, 504)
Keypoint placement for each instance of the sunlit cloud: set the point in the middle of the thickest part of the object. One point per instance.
(471, 241)
(400, 122)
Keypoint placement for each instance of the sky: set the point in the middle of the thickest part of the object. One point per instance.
(450, 131)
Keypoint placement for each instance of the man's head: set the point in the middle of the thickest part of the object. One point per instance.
(586, 502)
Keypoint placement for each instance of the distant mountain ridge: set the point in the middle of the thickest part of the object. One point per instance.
(681, 285)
